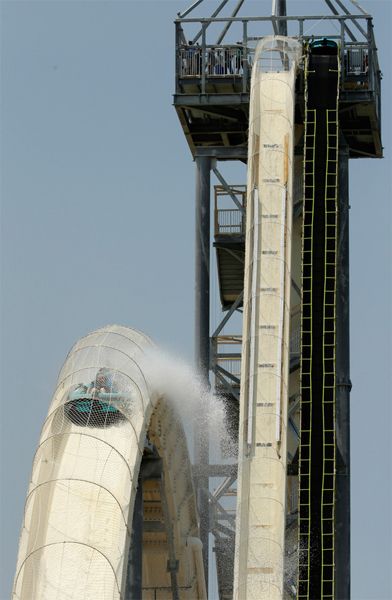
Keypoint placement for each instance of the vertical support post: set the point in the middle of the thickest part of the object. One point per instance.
(245, 65)
(177, 58)
(203, 58)
(301, 28)
(281, 12)
(135, 566)
(202, 256)
(370, 55)
(202, 339)
(343, 388)
(343, 61)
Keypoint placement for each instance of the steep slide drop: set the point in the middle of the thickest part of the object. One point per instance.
(261, 504)
(106, 426)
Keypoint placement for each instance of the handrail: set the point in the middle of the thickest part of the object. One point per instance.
(233, 60)
(271, 18)
(361, 68)
(230, 221)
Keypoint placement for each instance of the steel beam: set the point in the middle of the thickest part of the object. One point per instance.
(214, 470)
(172, 563)
(214, 14)
(228, 25)
(284, 18)
(227, 374)
(229, 388)
(231, 311)
(202, 337)
(202, 266)
(227, 188)
(150, 468)
(347, 12)
(346, 28)
(343, 387)
(188, 10)
(222, 152)
(135, 565)
(201, 101)
(224, 487)
(280, 11)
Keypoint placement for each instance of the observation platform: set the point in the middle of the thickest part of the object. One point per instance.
(213, 84)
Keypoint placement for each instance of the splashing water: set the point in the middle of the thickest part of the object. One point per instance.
(196, 404)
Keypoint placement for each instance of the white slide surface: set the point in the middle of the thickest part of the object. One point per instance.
(77, 524)
(261, 501)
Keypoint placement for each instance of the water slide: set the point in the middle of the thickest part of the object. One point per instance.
(261, 499)
(112, 444)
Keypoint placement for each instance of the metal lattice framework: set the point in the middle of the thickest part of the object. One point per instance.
(215, 45)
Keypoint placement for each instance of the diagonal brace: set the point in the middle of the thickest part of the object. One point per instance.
(227, 188)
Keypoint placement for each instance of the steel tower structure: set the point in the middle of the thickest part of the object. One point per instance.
(211, 98)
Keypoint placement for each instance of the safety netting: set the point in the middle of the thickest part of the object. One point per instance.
(261, 510)
(77, 526)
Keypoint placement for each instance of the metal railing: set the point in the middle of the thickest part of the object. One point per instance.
(229, 221)
(356, 60)
(215, 61)
(227, 60)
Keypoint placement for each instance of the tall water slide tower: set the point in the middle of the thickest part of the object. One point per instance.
(336, 116)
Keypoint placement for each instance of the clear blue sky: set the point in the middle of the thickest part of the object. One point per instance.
(97, 214)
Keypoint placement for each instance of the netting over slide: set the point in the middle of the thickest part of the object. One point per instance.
(266, 354)
(76, 535)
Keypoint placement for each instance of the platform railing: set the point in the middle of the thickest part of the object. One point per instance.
(229, 221)
(357, 75)
(357, 60)
(218, 61)
(228, 62)
(201, 59)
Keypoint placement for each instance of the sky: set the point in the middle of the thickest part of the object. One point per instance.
(97, 227)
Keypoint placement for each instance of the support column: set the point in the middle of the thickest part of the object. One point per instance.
(281, 12)
(202, 339)
(135, 566)
(343, 388)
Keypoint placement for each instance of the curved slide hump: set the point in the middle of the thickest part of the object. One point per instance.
(265, 363)
(108, 434)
